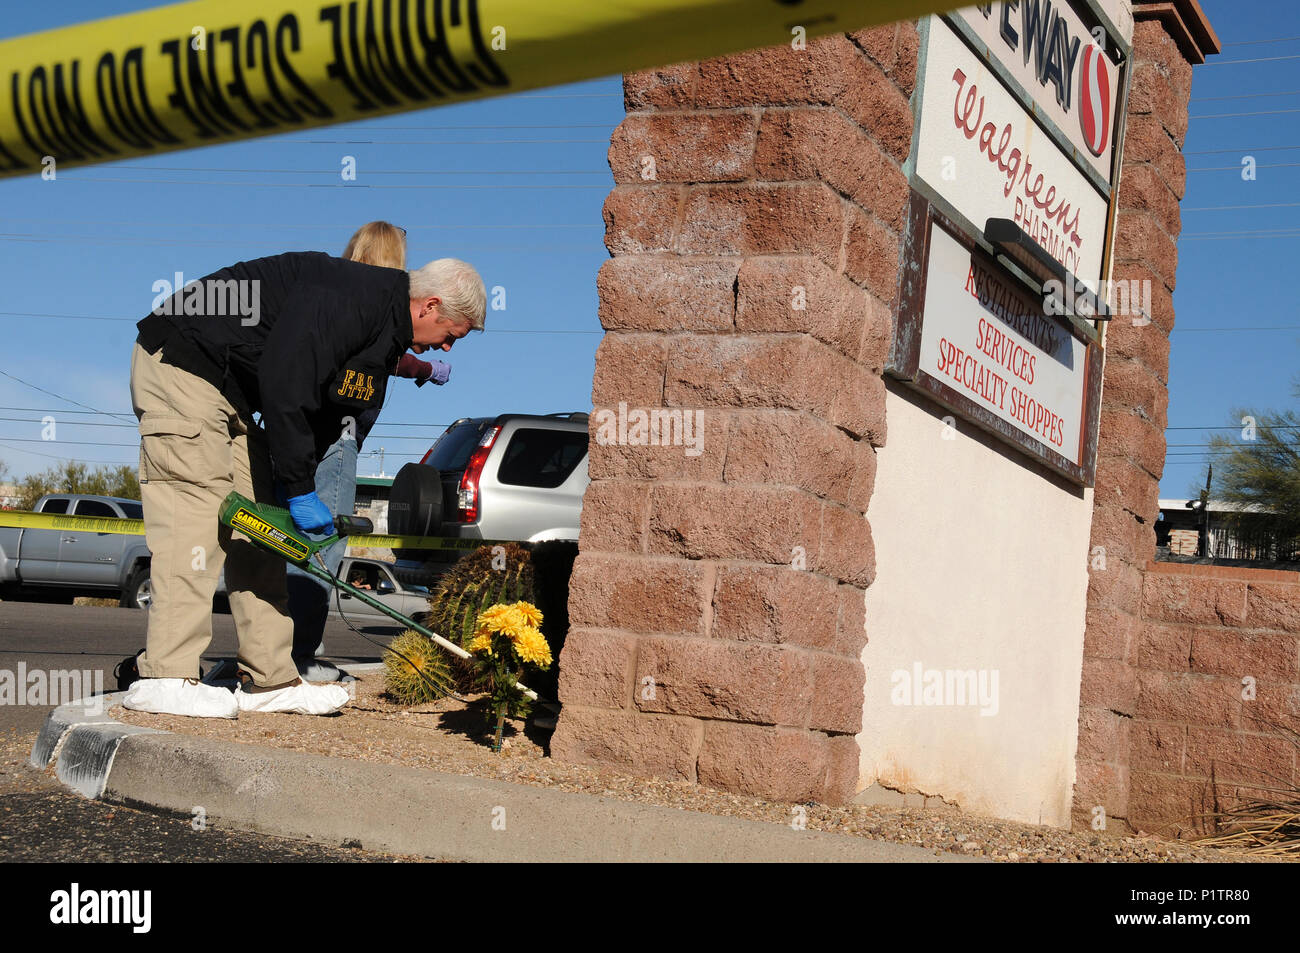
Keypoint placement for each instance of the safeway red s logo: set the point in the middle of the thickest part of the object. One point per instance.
(1094, 99)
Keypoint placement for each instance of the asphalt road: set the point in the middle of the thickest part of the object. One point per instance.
(42, 821)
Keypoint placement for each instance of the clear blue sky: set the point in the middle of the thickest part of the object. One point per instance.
(93, 242)
(1243, 280)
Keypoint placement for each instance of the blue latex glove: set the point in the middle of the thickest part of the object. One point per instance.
(311, 515)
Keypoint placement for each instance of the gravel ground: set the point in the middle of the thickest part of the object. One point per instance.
(452, 736)
(43, 822)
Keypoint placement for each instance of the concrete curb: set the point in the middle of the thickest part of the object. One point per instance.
(82, 742)
(410, 810)
(362, 667)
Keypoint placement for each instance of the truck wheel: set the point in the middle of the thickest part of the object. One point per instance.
(138, 593)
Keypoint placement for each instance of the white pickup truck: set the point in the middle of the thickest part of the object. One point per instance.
(57, 565)
(60, 564)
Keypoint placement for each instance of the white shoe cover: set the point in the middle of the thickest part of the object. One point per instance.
(303, 699)
(180, 696)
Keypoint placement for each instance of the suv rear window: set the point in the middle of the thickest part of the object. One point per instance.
(95, 508)
(542, 458)
(133, 511)
(453, 449)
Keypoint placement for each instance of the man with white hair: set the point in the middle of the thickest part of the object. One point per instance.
(308, 341)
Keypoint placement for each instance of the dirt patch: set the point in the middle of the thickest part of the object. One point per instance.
(453, 736)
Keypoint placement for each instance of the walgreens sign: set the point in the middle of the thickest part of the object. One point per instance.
(1062, 63)
(981, 150)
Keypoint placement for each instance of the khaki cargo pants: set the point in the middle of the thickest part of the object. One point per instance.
(194, 449)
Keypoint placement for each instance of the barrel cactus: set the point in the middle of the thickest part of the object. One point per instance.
(482, 578)
(416, 670)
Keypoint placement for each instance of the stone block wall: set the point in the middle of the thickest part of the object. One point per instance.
(1168, 38)
(1217, 716)
(717, 600)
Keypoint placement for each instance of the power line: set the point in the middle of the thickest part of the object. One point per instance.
(1237, 168)
(1215, 152)
(51, 393)
(425, 440)
(1275, 39)
(1230, 208)
(37, 239)
(72, 317)
(49, 410)
(335, 185)
(543, 125)
(69, 443)
(1260, 112)
(1258, 59)
(94, 317)
(1234, 427)
(1210, 99)
(40, 410)
(1244, 236)
(54, 456)
(442, 142)
(1270, 327)
(1206, 447)
(555, 249)
(181, 168)
(229, 225)
(1280, 229)
(68, 423)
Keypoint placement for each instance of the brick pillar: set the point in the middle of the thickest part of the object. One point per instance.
(1168, 38)
(717, 603)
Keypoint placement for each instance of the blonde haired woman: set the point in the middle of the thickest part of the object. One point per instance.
(378, 243)
(384, 245)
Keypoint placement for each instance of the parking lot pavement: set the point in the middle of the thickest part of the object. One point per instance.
(40, 820)
(93, 639)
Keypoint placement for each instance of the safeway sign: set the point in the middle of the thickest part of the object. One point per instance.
(1061, 62)
(981, 149)
(1018, 124)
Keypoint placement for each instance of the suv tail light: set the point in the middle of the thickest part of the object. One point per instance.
(467, 495)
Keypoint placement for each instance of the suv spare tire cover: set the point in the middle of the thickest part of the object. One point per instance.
(415, 502)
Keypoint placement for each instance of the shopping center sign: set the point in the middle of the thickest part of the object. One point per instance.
(1052, 53)
(1013, 172)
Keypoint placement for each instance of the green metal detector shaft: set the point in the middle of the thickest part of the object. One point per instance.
(271, 528)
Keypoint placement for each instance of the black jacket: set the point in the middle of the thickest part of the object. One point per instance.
(310, 351)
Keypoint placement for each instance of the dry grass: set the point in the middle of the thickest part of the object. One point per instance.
(1266, 827)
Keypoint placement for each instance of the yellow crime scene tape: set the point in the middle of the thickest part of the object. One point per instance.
(213, 71)
(127, 527)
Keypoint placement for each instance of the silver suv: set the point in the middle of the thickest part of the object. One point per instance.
(511, 477)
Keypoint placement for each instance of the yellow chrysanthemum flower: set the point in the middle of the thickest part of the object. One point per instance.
(482, 642)
(497, 618)
(531, 614)
(531, 646)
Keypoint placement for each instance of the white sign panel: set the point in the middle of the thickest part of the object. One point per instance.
(1050, 51)
(981, 151)
(986, 337)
